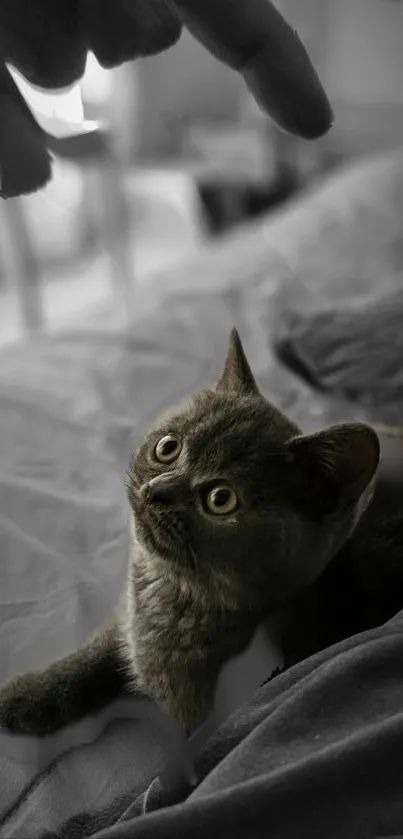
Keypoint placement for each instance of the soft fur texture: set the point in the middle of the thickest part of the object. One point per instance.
(361, 589)
(200, 582)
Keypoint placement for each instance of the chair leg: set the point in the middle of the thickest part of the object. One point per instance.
(115, 226)
(27, 265)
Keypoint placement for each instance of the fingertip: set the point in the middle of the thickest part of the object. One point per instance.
(285, 84)
(299, 108)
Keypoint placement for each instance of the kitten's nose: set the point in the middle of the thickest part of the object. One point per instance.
(164, 489)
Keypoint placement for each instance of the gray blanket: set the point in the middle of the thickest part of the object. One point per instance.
(316, 752)
(354, 351)
(72, 406)
(108, 768)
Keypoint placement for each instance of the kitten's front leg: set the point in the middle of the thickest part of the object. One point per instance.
(182, 684)
(82, 683)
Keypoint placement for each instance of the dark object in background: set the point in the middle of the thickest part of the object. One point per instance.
(48, 43)
(353, 351)
(226, 204)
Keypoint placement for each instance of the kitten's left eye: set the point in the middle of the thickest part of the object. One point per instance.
(222, 500)
(168, 448)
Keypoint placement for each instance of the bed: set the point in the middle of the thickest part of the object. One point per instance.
(72, 406)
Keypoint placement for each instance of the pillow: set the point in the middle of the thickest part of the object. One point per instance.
(353, 350)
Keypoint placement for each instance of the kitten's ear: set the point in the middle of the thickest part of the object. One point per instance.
(337, 464)
(237, 376)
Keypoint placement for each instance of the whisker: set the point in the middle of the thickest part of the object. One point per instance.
(193, 556)
(131, 480)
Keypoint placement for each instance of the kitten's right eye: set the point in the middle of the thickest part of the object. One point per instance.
(222, 500)
(168, 449)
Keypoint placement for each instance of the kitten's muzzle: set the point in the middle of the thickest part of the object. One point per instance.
(164, 489)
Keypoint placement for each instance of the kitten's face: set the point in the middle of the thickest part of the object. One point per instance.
(228, 491)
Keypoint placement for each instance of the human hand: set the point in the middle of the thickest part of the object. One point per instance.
(48, 43)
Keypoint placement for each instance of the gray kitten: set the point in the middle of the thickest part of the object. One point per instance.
(234, 512)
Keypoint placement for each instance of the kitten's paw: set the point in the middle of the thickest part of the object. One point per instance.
(23, 706)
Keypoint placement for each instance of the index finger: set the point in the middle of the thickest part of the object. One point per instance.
(252, 36)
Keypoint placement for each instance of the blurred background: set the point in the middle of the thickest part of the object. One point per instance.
(187, 214)
(187, 156)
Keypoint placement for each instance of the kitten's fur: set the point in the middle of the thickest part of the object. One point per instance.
(363, 586)
(199, 584)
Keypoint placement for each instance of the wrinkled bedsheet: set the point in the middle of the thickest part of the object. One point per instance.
(73, 405)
